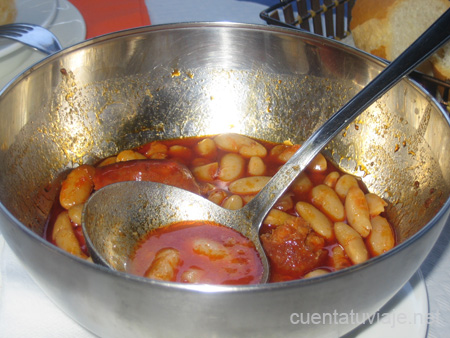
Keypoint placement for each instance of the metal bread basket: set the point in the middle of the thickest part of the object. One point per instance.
(331, 19)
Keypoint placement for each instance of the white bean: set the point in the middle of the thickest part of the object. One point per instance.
(64, 236)
(357, 211)
(318, 164)
(206, 148)
(165, 265)
(381, 239)
(107, 161)
(210, 248)
(316, 273)
(326, 199)
(344, 183)
(283, 152)
(77, 187)
(278, 217)
(248, 185)
(302, 184)
(193, 275)
(256, 166)
(157, 150)
(231, 167)
(180, 152)
(241, 144)
(285, 202)
(376, 204)
(75, 213)
(352, 242)
(339, 259)
(234, 202)
(331, 179)
(129, 155)
(207, 172)
(316, 219)
(217, 196)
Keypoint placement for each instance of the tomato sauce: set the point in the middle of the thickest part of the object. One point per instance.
(208, 253)
(293, 246)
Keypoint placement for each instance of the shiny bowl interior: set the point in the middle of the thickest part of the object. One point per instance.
(124, 89)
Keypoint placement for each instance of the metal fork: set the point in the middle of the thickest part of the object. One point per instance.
(31, 35)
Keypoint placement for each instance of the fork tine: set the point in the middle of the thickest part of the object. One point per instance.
(31, 35)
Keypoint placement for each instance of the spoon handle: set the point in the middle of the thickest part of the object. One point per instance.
(433, 38)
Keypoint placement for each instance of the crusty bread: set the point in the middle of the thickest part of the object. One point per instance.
(441, 63)
(8, 11)
(386, 28)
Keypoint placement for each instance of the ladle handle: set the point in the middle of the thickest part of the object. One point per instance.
(433, 38)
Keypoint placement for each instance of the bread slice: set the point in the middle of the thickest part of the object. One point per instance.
(441, 63)
(8, 11)
(386, 28)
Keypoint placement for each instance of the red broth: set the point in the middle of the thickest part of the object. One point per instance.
(197, 252)
(295, 245)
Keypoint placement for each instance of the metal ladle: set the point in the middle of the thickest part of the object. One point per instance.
(118, 215)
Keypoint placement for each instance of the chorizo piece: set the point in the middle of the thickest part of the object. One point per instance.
(161, 171)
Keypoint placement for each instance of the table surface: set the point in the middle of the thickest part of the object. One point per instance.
(35, 321)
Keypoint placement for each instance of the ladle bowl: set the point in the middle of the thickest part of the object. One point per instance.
(119, 215)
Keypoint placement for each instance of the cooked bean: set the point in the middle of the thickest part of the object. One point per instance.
(210, 248)
(352, 242)
(285, 202)
(206, 148)
(232, 166)
(248, 185)
(339, 258)
(234, 202)
(129, 155)
(283, 152)
(247, 198)
(193, 275)
(316, 273)
(256, 166)
(75, 213)
(376, 204)
(180, 152)
(165, 265)
(318, 164)
(357, 211)
(207, 172)
(108, 161)
(240, 144)
(326, 200)
(64, 236)
(381, 239)
(331, 179)
(169, 172)
(77, 187)
(344, 183)
(277, 217)
(217, 196)
(302, 184)
(157, 150)
(316, 219)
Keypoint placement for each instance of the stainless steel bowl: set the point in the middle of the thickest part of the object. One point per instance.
(127, 88)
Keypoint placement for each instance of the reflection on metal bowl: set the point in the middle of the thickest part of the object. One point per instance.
(131, 87)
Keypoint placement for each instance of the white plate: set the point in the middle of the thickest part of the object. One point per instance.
(406, 315)
(68, 26)
(40, 13)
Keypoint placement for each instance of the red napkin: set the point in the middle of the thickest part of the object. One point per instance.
(106, 16)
